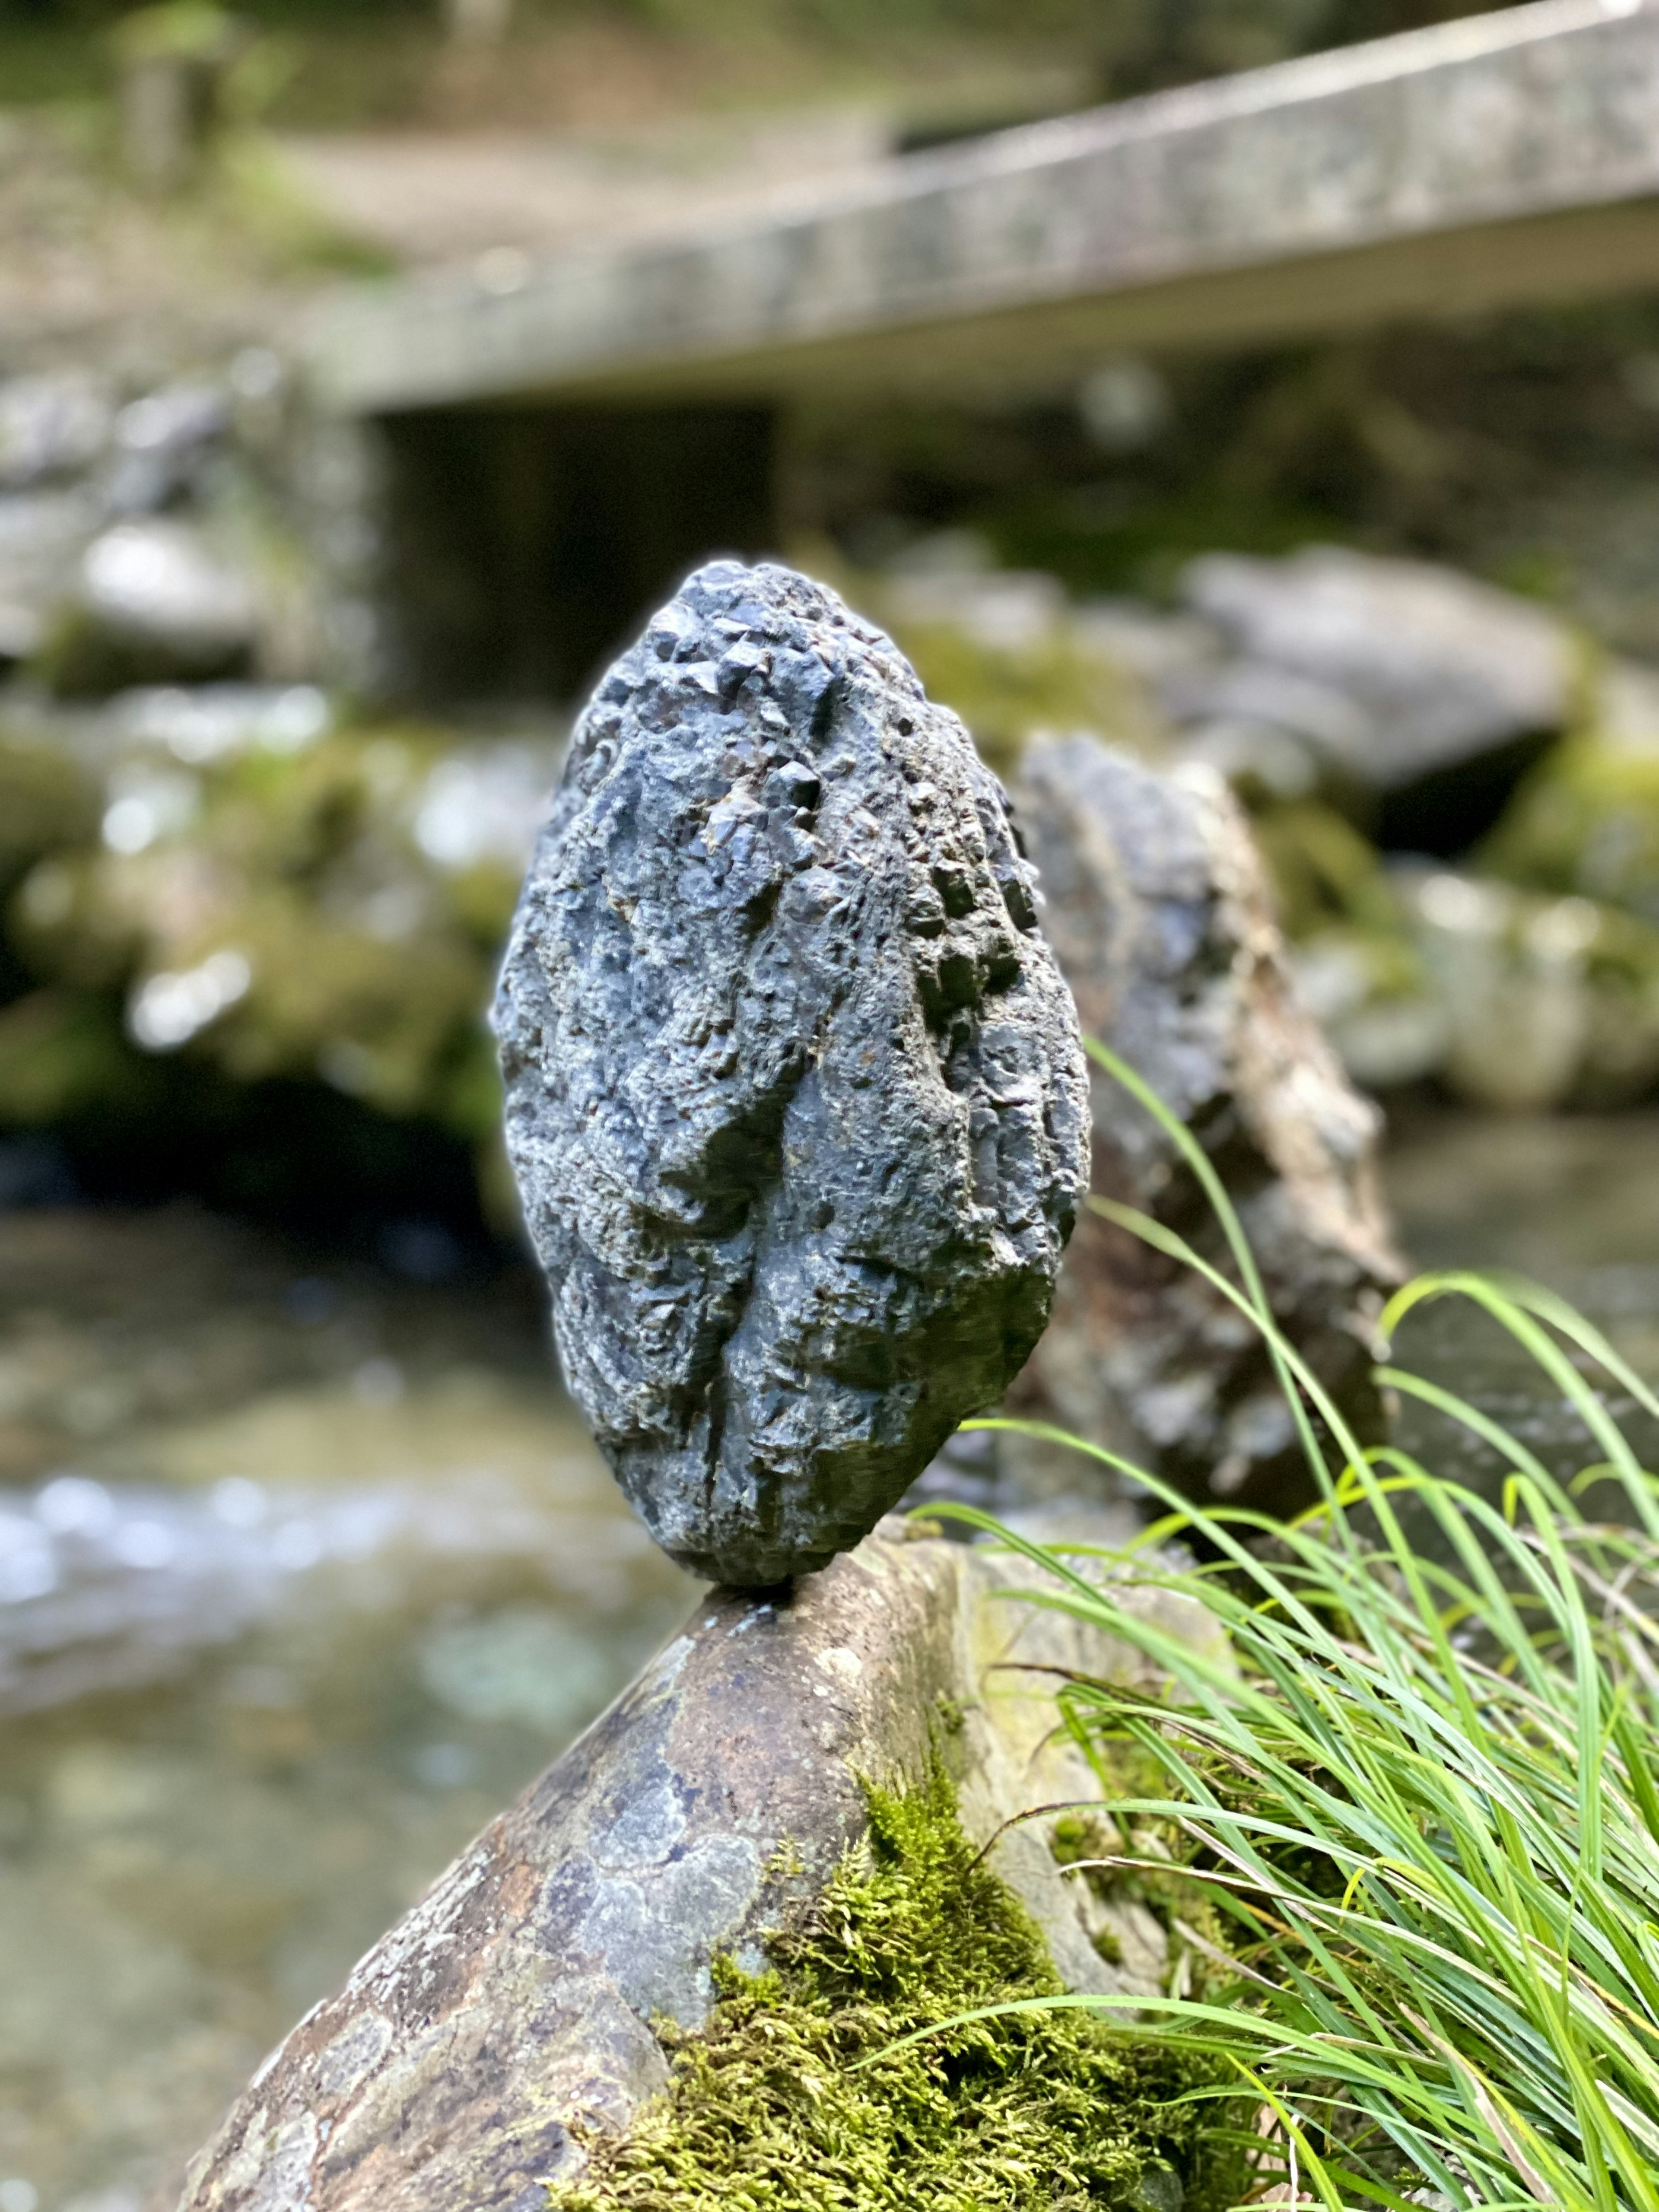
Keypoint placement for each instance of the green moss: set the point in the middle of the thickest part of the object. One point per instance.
(1586, 823)
(369, 965)
(1006, 694)
(1323, 871)
(61, 1053)
(46, 800)
(798, 2097)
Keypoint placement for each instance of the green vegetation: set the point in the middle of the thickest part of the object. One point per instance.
(385, 60)
(1586, 825)
(1006, 694)
(1425, 1795)
(273, 921)
(363, 962)
(802, 2093)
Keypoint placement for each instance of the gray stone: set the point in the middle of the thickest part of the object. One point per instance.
(161, 441)
(43, 535)
(1273, 733)
(153, 600)
(706, 1809)
(1158, 910)
(1396, 675)
(50, 428)
(795, 1094)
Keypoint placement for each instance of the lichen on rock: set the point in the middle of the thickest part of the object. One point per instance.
(795, 1092)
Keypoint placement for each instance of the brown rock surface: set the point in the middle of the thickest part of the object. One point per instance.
(1158, 910)
(518, 1996)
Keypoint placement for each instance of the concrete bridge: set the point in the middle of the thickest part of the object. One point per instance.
(1501, 160)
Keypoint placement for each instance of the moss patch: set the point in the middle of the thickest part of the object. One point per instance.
(1586, 824)
(1006, 694)
(793, 2098)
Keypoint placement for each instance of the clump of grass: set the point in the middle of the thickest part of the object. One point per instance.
(1423, 1791)
(806, 2093)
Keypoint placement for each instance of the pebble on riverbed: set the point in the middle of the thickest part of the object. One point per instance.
(796, 1096)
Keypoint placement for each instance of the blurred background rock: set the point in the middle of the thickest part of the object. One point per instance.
(304, 1563)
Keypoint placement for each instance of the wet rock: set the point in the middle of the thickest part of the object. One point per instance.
(706, 1809)
(1158, 910)
(1425, 691)
(795, 1094)
(154, 601)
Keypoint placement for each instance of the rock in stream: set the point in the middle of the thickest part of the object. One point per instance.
(796, 1097)
(1162, 919)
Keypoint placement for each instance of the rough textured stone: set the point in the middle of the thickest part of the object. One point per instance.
(1157, 908)
(795, 1093)
(519, 1994)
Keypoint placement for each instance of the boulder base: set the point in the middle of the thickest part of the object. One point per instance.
(705, 1809)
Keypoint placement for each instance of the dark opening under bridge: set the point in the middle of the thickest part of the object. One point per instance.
(1503, 158)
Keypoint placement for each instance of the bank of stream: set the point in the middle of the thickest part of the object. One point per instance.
(343, 1531)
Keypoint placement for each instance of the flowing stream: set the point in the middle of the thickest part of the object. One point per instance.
(306, 1568)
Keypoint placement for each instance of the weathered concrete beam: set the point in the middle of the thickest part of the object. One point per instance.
(1501, 158)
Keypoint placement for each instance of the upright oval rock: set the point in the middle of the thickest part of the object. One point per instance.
(796, 1097)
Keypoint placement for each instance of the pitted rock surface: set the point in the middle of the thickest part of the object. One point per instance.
(796, 1098)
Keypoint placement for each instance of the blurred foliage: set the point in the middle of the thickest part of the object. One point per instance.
(179, 31)
(282, 926)
(55, 49)
(1324, 872)
(48, 803)
(1007, 693)
(1535, 966)
(1586, 823)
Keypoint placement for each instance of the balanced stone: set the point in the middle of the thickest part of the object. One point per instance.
(796, 1097)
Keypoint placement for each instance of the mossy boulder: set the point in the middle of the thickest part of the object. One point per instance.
(847, 2078)
(303, 907)
(350, 961)
(742, 1883)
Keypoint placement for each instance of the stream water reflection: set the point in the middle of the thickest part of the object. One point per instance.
(1572, 1202)
(369, 1574)
(305, 1570)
